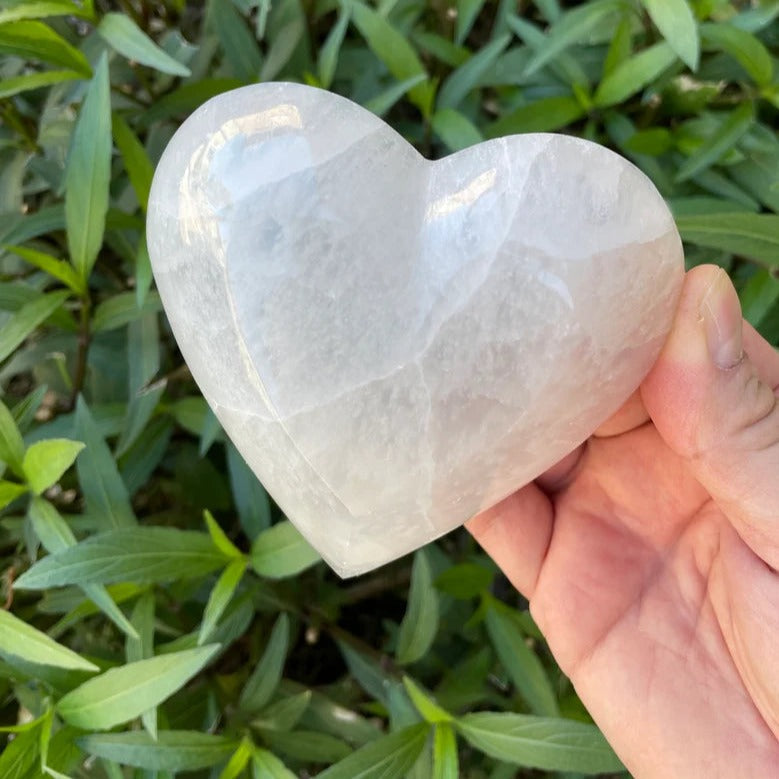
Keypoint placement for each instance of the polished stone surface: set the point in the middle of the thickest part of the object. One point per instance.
(395, 344)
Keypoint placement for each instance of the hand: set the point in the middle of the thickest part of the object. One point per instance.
(650, 555)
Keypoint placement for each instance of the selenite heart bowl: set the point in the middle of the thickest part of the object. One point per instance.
(395, 344)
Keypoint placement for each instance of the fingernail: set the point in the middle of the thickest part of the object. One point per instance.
(721, 313)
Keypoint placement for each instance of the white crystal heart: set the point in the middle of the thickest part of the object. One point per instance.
(395, 344)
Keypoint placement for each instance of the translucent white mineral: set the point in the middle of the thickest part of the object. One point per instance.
(395, 344)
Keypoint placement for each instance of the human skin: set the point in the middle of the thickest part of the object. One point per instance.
(650, 555)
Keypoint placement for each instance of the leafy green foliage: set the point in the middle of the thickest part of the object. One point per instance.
(226, 649)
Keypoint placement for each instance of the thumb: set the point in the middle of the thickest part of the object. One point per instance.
(712, 396)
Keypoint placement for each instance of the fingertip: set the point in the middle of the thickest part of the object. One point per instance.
(516, 533)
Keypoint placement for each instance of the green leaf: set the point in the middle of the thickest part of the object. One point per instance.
(10, 491)
(140, 646)
(88, 173)
(172, 750)
(755, 236)
(238, 44)
(284, 714)
(11, 443)
(19, 757)
(455, 130)
(17, 84)
(716, 145)
(520, 661)
(389, 757)
(136, 160)
(280, 552)
(103, 488)
(306, 745)
(18, 639)
(221, 541)
(55, 534)
(547, 743)
(238, 760)
(220, 597)
(544, 115)
(467, 12)
(265, 765)
(572, 27)
(420, 622)
(39, 9)
(425, 705)
(27, 319)
(59, 269)
(250, 498)
(744, 47)
(120, 694)
(465, 580)
(141, 554)
(37, 41)
(121, 32)
(621, 45)
(381, 103)
(121, 309)
(758, 296)
(46, 461)
(328, 53)
(394, 50)
(634, 74)
(445, 761)
(565, 67)
(266, 676)
(676, 22)
(462, 80)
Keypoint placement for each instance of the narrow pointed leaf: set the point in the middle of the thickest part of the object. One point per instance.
(121, 32)
(425, 705)
(755, 236)
(37, 41)
(420, 622)
(719, 143)
(121, 694)
(11, 443)
(59, 269)
(55, 534)
(18, 639)
(172, 750)
(27, 319)
(462, 80)
(220, 597)
(744, 47)
(676, 22)
(136, 160)
(546, 743)
(572, 27)
(390, 757)
(17, 84)
(634, 74)
(103, 488)
(88, 173)
(445, 760)
(266, 676)
(328, 53)
(142, 555)
(220, 539)
(393, 49)
(265, 765)
(521, 663)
